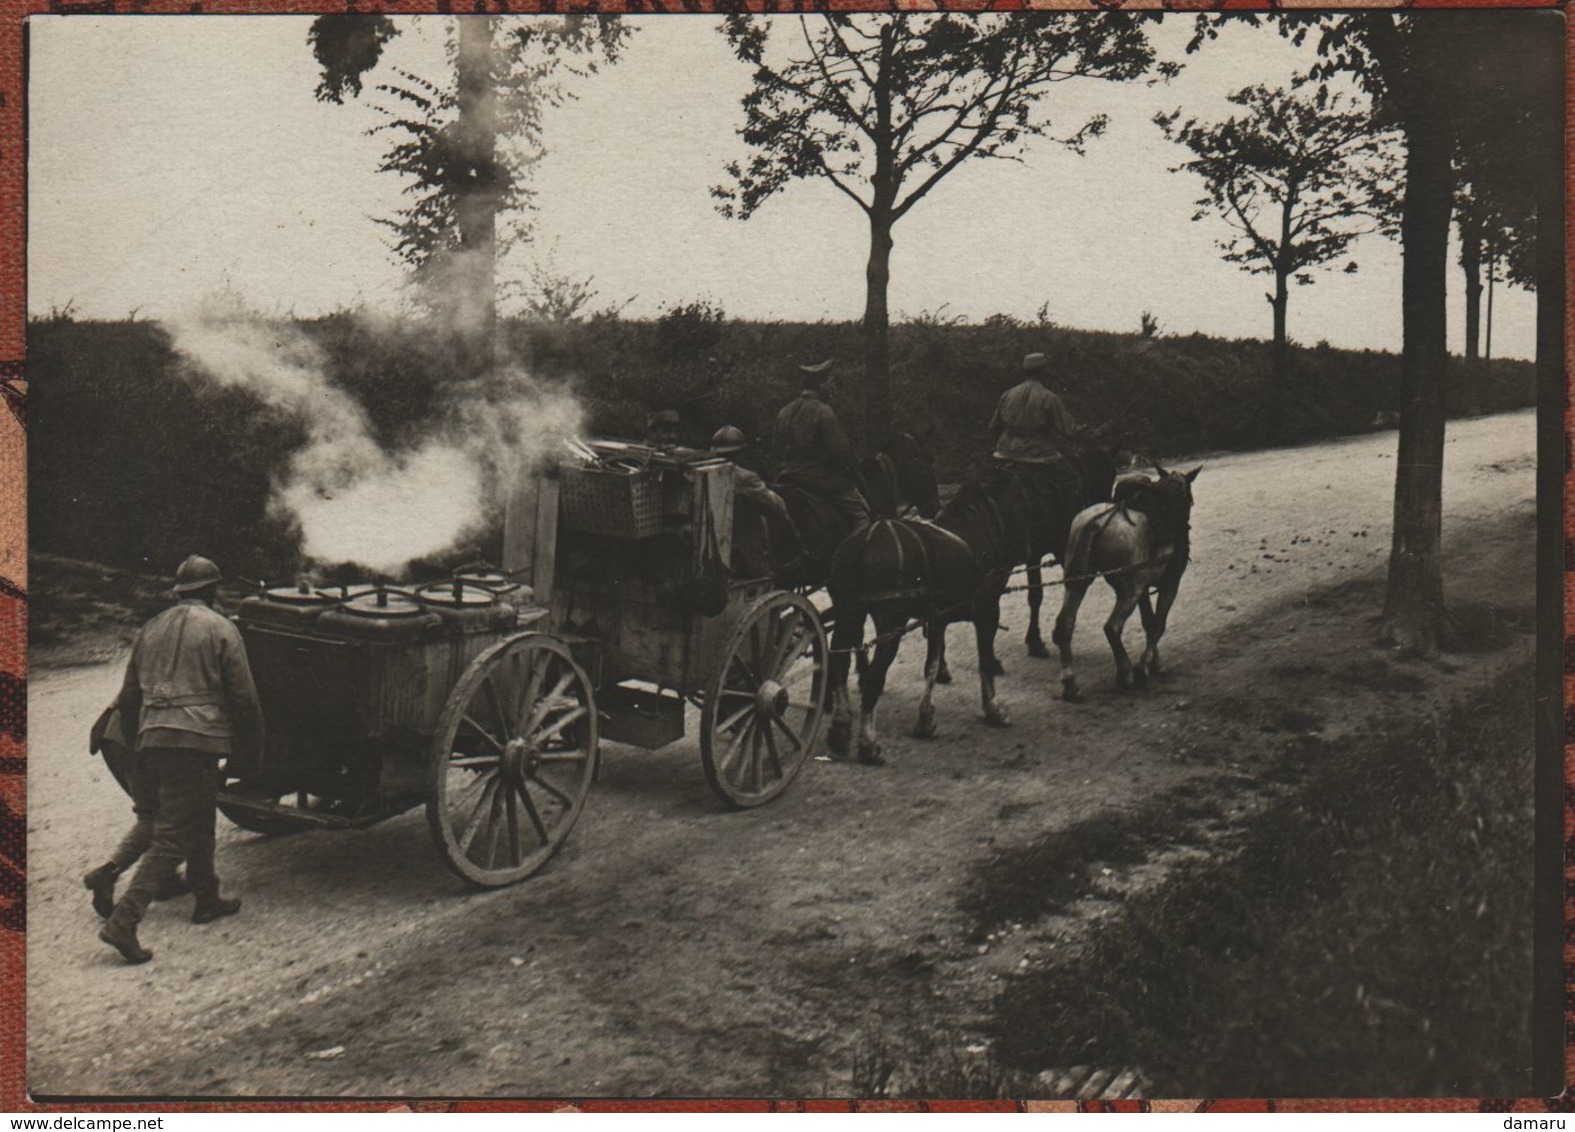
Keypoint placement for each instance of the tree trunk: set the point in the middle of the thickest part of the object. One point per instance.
(1280, 352)
(1487, 345)
(1414, 606)
(1471, 264)
(1281, 298)
(877, 330)
(877, 272)
(471, 301)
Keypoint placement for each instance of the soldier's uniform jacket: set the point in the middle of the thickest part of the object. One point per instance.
(188, 684)
(749, 486)
(1028, 424)
(813, 451)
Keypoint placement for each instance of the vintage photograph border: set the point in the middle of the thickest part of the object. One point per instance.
(1554, 978)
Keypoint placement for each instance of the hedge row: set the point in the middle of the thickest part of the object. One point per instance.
(135, 460)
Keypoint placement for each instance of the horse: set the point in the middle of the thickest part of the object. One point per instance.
(1140, 540)
(1096, 472)
(891, 571)
(900, 473)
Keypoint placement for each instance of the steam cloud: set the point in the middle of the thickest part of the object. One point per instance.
(354, 500)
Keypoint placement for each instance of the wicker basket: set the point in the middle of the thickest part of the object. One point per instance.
(619, 504)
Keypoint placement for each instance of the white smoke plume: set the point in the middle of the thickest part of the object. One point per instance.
(353, 500)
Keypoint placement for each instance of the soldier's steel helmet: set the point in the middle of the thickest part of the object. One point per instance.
(196, 573)
(728, 440)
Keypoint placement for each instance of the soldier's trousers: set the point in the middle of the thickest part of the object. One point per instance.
(186, 784)
(144, 790)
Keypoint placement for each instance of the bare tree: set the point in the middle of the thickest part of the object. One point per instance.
(1297, 178)
(885, 106)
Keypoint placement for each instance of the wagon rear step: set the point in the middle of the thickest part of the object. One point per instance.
(263, 816)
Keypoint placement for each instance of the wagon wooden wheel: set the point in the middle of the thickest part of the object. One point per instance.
(513, 760)
(765, 704)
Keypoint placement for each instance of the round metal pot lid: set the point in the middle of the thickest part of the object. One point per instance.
(346, 593)
(295, 595)
(449, 595)
(387, 603)
(488, 580)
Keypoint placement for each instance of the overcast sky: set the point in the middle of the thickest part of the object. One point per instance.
(171, 157)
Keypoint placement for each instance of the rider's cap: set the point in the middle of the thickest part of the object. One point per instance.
(817, 374)
(1035, 363)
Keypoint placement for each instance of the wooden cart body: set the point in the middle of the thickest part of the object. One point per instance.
(485, 698)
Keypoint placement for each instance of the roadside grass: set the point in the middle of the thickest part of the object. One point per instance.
(1371, 936)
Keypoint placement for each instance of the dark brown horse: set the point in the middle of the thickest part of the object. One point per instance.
(894, 571)
(1093, 471)
(900, 474)
(1141, 541)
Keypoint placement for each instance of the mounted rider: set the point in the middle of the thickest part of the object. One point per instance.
(1030, 430)
(813, 453)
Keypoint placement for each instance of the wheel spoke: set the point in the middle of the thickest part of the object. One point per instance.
(782, 660)
(734, 746)
(737, 661)
(732, 721)
(771, 752)
(473, 762)
(547, 703)
(535, 818)
(568, 802)
(794, 676)
(798, 744)
(495, 701)
(477, 813)
(530, 695)
(509, 791)
(574, 716)
(483, 732)
(752, 781)
(494, 823)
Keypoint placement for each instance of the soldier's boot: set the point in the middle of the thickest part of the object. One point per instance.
(120, 932)
(214, 907)
(101, 883)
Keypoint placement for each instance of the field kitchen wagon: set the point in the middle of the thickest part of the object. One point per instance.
(486, 696)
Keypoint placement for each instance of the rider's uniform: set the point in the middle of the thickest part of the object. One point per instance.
(814, 455)
(1029, 429)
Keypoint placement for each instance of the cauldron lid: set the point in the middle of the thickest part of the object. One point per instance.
(493, 580)
(471, 596)
(293, 595)
(387, 603)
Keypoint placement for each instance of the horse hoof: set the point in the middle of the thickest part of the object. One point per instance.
(1037, 650)
(997, 668)
(1071, 693)
(924, 729)
(1140, 677)
(869, 755)
(944, 676)
(838, 738)
(996, 717)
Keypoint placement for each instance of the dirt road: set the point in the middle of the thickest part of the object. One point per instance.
(677, 949)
